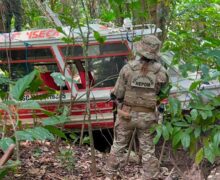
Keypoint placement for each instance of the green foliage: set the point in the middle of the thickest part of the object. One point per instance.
(57, 119)
(29, 105)
(66, 157)
(98, 37)
(10, 166)
(14, 103)
(58, 78)
(21, 85)
(199, 156)
(38, 133)
(5, 143)
(195, 23)
(56, 131)
(86, 140)
(196, 131)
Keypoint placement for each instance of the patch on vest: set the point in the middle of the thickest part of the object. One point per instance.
(143, 81)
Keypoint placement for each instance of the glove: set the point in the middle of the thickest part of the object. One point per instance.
(161, 108)
(112, 96)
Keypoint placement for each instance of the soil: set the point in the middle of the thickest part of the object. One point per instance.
(41, 160)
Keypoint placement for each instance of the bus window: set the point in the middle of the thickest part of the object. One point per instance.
(46, 69)
(105, 70)
(26, 54)
(109, 48)
(19, 70)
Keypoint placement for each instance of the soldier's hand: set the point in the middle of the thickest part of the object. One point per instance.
(124, 114)
(112, 96)
(161, 108)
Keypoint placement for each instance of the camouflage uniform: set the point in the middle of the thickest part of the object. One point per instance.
(12, 7)
(1, 18)
(139, 92)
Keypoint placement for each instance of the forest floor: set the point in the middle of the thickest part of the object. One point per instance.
(47, 161)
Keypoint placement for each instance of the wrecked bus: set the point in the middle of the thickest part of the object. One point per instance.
(46, 51)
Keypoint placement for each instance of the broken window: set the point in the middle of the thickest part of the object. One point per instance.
(110, 48)
(102, 72)
(26, 54)
(24, 61)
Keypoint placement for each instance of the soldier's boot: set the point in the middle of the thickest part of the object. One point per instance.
(111, 167)
(151, 171)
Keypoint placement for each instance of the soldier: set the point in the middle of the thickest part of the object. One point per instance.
(138, 84)
(12, 7)
(1, 17)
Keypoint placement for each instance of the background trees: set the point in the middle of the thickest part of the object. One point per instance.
(190, 29)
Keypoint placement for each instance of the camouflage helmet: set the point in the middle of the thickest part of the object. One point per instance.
(148, 46)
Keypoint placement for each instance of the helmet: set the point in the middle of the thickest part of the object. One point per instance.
(148, 46)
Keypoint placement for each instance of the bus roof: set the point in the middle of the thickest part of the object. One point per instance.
(51, 36)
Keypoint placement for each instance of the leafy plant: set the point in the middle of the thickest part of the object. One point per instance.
(86, 140)
(66, 157)
(197, 128)
(11, 107)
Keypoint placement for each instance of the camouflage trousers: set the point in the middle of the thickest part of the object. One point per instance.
(12, 8)
(123, 132)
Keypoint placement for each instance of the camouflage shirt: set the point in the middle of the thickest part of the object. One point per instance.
(124, 81)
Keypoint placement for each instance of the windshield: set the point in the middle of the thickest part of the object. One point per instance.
(105, 70)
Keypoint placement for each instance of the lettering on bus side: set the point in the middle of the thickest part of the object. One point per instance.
(52, 97)
(41, 34)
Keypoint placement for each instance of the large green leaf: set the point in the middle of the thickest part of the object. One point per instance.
(38, 133)
(194, 114)
(194, 85)
(56, 131)
(165, 132)
(177, 138)
(4, 107)
(209, 153)
(203, 114)
(185, 140)
(5, 143)
(199, 156)
(59, 79)
(181, 124)
(24, 136)
(29, 105)
(159, 133)
(174, 106)
(215, 53)
(98, 37)
(200, 106)
(55, 120)
(197, 132)
(21, 85)
(216, 139)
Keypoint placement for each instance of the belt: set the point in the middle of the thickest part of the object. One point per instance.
(142, 109)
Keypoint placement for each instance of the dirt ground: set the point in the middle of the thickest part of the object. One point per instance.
(40, 160)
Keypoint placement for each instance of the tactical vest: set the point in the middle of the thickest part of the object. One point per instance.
(141, 89)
